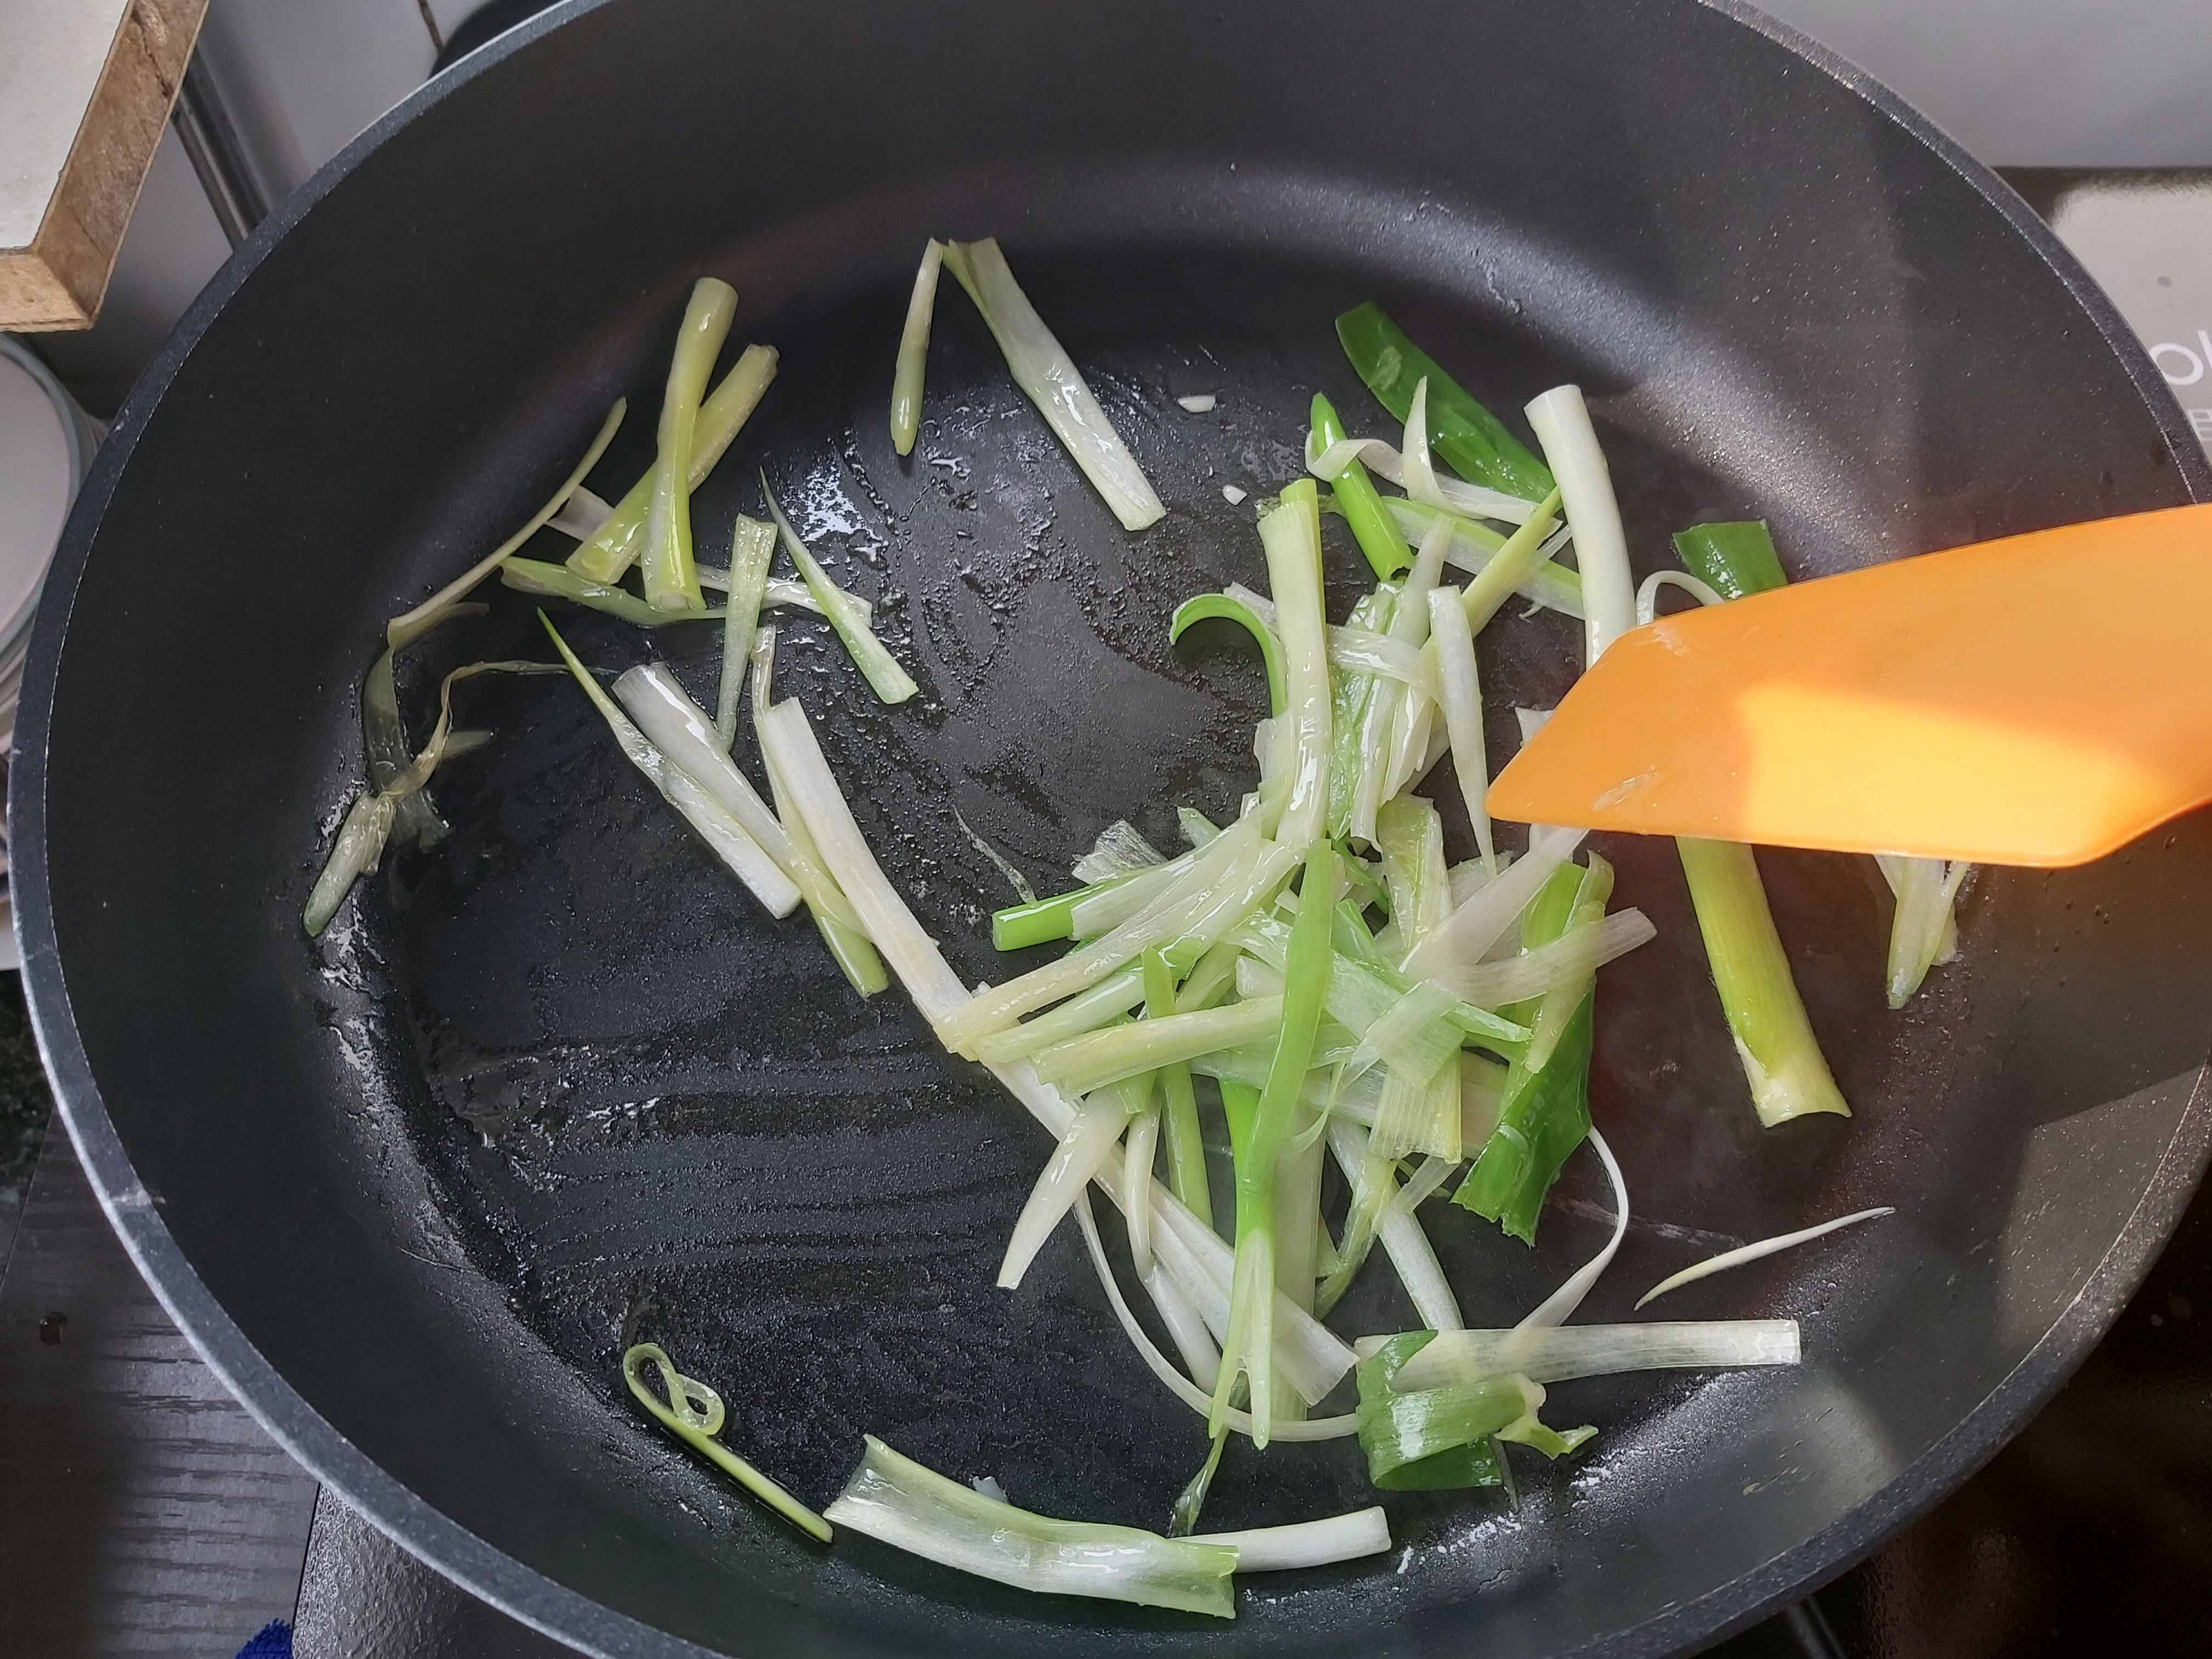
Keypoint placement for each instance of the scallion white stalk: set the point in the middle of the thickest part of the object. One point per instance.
(1094, 1061)
(1758, 1250)
(1924, 931)
(889, 681)
(1044, 370)
(1562, 423)
(752, 545)
(665, 562)
(1453, 644)
(1560, 1353)
(1291, 534)
(1559, 1307)
(1472, 500)
(914, 350)
(1305, 1543)
(1461, 942)
(1082, 1153)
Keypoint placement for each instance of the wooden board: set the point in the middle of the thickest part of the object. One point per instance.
(85, 90)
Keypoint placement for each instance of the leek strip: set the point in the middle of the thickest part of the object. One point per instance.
(752, 545)
(1577, 982)
(1183, 1519)
(1349, 697)
(1469, 932)
(557, 581)
(1416, 473)
(615, 545)
(1189, 1332)
(1357, 647)
(1139, 1154)
(384, 744)
(900, 1502)
(890, 682)
(1375, 1212)
(664, 560)
(855, 955)
(359, 846)
(1197, 829)
(779, 590)
(1215, 974)
(413, 624)
(1735, 559)
(743, 857)
(1647, 592)
(1431, 1439)
(1121, 849)
(914, 350)
(1379, 733)
(1227, 607)
(1102, 1057)
(1312, 1358)
(581, 514)
(679, 729)
(1305, 1543)
(1560, 1353)
(1753, 1252)
(1413, 1037)
(1453, 643)
(1410, 839)
(1101, 1004)
(1291, 536)
(1562, 423)
(1578, 952)
(1469, 437)
(1045, 373)
(1559, 1307)
(1081, 1154)
(1782, 1060)
(1100, 908)
(1236, 852)
(1510, 567)
(1925, 930)
(1312, 1428)
(1377, 533)
(1474, 547)
(1358, 994)
(694, 1414)
(1248, 1348)
(1039, 921)
(1186, 1146)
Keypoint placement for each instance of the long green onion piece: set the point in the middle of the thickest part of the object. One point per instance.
(1039, 921)
(1758, 1250)
(1044, 370)
(614, 546)
(1206, 607)
(384, 744)
(1925, 931)
(671, 583)
(743, 857)
(914, 350)
(1291, 534)
(558, 581)
(1469, 437)
(369, 821)
(889, 681)
(1549, 584)
(904, 1503)
(693, 1413)
(1186, 1146)
(752, 545)
(423, 617)
(1560, 1353)
(1782, 1058)
(1377, 533)
(1432, 1439)
(1453, 643)
(1248, 1346)
(1562, 422)
(1733, 559)
(855, 955)
(1305, 1543)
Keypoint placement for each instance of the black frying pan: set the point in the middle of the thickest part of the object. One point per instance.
(558, 1083)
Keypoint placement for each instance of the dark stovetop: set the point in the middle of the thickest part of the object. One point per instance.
(143, 1512)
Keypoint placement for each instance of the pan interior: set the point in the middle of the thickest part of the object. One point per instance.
(558, 1084)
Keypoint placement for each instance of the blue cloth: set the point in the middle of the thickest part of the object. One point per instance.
(272, 1641)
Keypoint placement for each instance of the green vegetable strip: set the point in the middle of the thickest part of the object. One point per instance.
(1523, 550)
(614, 546)
(900, 1502)
(856, 956)
(1206, 607)
(1924, 931)
(1562, 422)
(1291, 535)
(889, 681)
(1551, 585)
(1467, 435)
(1543, 1114)
(383, 743)
(744, 857)
(1782, 1058)
(1560, 1002)
(1429, 1439)
(1084, 1153)
(1041, 920)
(359, 846)
(914, 350)
(1361, 503)
(752, 545)
(1348, 712)
(693, 1413)
(1186, 1147)
(1094, 1061)
(1384, 728)
(1453, 643)
(558, 581)
(1101, 1005)
(433, 611)
(1046, 374)
(670, 582)
(1734, 559)
(1248, 1346)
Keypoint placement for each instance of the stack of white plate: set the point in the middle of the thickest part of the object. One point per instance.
(45, 445)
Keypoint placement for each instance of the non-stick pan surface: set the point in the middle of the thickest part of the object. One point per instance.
(558, 1084)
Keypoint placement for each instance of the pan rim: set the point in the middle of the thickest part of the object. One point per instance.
(554, 1609)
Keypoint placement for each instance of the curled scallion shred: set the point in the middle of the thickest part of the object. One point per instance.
(693, 1413)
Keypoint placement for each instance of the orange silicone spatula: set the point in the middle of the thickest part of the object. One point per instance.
(2040, 700)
